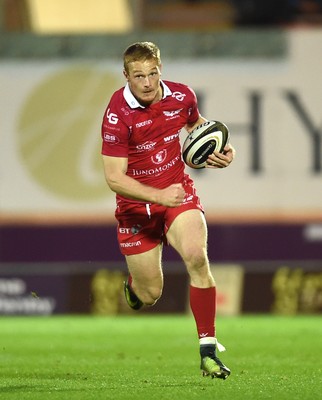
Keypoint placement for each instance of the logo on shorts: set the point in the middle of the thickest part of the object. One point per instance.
(131, 244)
(136, 229)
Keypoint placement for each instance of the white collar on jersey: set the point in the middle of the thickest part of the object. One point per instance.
(133, 103)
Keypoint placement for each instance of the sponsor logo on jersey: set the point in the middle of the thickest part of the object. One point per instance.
(146, 146)
(179, 96)
(159, 157)
(113, 128)
(171, 137)
(125, 111)
(111, 117)
(172, 114)
(143, 123)
(110, 138)
(156, 171)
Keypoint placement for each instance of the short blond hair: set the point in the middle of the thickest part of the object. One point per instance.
(141, 51)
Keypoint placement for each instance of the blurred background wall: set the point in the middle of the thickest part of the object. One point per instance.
(256, 65)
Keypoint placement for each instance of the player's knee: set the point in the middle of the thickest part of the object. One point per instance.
(196, 261)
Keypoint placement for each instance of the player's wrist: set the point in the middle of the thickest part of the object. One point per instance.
(156, 196)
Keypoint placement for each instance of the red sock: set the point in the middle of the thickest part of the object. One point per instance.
(203, 307)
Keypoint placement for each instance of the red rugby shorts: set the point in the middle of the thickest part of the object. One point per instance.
(142, 226)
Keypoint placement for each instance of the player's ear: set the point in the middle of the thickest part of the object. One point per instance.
(126, 75)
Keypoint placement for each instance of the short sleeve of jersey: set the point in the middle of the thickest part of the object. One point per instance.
(115, 130)
(193, 111)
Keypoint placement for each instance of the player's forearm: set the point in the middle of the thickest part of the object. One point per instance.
(133, 189)
(199, 121)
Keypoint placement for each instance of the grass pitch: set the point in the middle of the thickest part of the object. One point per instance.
(156, 357)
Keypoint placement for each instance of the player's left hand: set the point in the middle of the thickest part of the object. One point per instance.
(221, 160)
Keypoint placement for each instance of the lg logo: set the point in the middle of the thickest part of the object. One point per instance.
(111, 117)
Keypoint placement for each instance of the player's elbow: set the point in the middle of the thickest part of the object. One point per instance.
(112, 182)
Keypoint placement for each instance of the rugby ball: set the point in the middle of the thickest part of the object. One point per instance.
(202, 141)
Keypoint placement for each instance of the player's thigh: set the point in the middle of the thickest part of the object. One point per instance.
(188, 235)
(145, 268)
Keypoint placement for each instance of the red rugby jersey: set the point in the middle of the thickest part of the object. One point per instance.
(149, 136)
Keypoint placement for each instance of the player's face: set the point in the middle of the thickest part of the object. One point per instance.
(144, 81)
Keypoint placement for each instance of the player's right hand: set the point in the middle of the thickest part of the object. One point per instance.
(172, 196)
